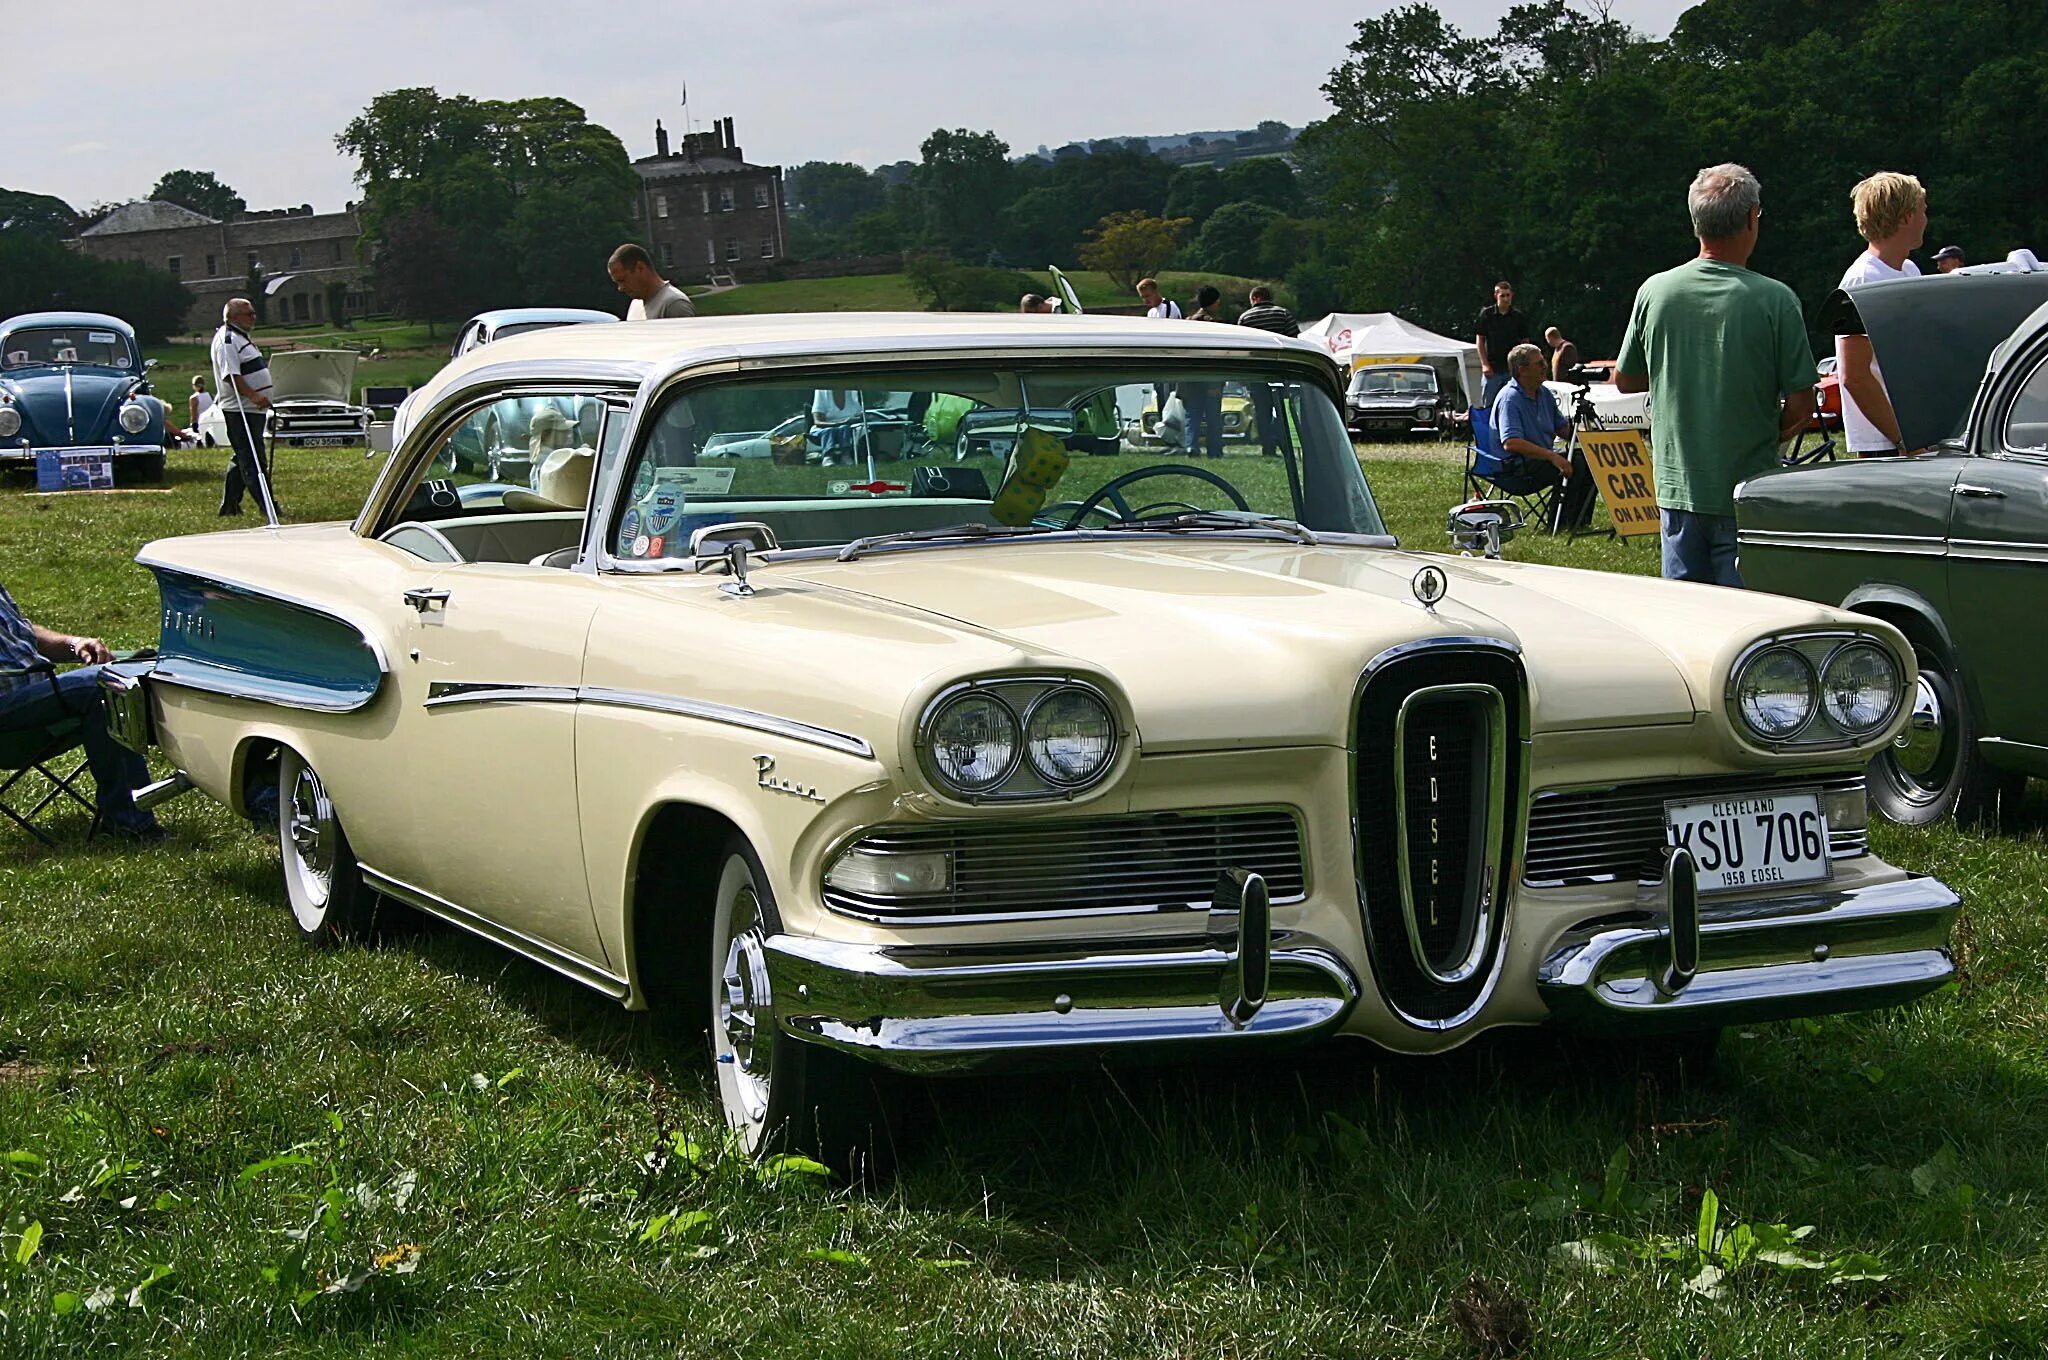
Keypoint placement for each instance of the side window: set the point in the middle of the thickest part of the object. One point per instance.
(519, 442)
(2026, 423)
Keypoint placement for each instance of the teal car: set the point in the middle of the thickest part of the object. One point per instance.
(76, 382)
(1951, 545)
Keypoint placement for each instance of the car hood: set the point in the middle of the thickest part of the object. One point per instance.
(1223, 644)
(95, 400)
(313, 374)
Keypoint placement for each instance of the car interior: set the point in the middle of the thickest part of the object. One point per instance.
(877, 453)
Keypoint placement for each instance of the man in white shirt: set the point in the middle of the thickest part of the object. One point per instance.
(1157, 305)
(654, 297)
(1891, 214)
(242, 377)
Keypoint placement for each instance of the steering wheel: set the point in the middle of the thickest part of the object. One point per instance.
(1112, 490)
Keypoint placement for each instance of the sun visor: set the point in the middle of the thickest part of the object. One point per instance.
(1932, 336)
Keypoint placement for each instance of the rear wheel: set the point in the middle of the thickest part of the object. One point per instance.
(321, 880)
(1932, 770)
(780, 1094)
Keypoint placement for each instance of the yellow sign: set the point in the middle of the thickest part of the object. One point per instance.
(1359, 361)
(1620, 460)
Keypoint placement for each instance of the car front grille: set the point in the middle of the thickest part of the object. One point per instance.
(1603, 835)
(1165, 861)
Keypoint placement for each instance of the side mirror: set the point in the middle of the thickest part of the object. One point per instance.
(148, 364)
(729, 546)
(1483, 526)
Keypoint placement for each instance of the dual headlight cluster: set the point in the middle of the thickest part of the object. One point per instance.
(1018, 737)
(1818, 690)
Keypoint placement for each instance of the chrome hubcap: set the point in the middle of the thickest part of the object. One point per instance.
(309, 841)
(1917, 751)
(746, 1005)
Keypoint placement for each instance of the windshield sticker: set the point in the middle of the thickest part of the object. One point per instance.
(701, 481)
(102, 338)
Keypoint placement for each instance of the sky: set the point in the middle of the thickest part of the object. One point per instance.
(116, 93)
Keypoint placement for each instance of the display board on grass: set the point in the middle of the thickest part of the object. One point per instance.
(1620, 462)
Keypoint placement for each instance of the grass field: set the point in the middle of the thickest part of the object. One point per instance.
(215, 1142)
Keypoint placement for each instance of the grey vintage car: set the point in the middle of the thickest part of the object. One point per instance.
(1950, 545)
(1394, 399)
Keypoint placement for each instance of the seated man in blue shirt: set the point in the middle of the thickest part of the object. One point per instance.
(28, 701)
(1529, 424)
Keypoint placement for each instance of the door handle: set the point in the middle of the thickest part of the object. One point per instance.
(1979, 493)
(423, 599)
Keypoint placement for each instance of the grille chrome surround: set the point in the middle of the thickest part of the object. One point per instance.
(1128, 864)
(1616, 832)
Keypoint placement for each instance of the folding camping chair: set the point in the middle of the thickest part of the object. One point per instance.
(30, 759)
(1487, 474)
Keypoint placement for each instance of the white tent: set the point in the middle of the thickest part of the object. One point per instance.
(1356, 339)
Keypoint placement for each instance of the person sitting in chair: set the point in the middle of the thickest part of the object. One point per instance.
(35, 701)
(1529, 424)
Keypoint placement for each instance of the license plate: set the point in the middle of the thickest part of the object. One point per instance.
(322, 441)
(1765, 841)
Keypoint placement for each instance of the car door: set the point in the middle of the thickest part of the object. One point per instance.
(1998, 567)
(494, 651)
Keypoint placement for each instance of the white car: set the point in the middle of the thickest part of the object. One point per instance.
(310, 402)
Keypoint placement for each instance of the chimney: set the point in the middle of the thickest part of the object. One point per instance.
(729, 139)
(660, 139)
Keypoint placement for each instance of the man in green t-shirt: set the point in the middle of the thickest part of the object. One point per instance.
(1722, 352)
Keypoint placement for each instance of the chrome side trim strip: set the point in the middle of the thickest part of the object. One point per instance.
(238, 685)
(1991, 550)
(548, 956)
(732, 717)
(1909, 545)
(441, 694)
(444, 694)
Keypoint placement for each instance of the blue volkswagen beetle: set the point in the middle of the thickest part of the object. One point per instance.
(74, 382)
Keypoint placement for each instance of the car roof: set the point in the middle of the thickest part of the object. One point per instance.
(57, 319)
(653, 349)
(514, 316)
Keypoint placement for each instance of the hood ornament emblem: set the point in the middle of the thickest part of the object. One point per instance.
(1430, 585)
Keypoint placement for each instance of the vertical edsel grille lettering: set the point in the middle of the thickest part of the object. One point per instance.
(1438, 778)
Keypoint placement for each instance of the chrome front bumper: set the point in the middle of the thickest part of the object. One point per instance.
(1811, 954)
(934, 1009)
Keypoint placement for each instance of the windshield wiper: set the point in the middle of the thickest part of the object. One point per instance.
(1206, 520)
(969, 531)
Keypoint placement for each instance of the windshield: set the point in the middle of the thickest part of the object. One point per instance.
(860, 454)
(512, 328)
(66, 345)
(1394, 382)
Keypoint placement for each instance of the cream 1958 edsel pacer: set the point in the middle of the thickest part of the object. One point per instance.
(884, 748)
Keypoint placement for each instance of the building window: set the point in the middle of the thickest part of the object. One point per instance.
(299, 307)
(316, 306)
(661, 205)
(668, 254)
(252, 262)
(295, 257)
(711, 252)
(633, 209)
(703, 200)
(732, 247)
(209, 267)
(176, 264)
(767, 247)
(725, 199)
(337, 251)
(760, 195)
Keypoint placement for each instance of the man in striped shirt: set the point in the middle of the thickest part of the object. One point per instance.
(1268, 315)
(242, 378)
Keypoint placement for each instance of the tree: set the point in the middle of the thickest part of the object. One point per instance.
(39, 272)
(1260, 179)
(474, 203)
(1194, 192)
(1129, 245)
(1232, 239)
(830, 194)
(964, 178)
(24, 213)
(199, 190)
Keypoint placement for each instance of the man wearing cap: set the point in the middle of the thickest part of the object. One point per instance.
(1949, 259)
(654, 297)
(1891, 215)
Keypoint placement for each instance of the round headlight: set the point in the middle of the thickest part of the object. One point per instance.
(135, 417)
(1859, 687)
(1069, 736)
(974, 743)
(10, 422)
(1425, 413)
(1775, 693)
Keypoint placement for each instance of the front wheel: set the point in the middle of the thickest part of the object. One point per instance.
(780, 1094)
(1932, 769)
(321, 880)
